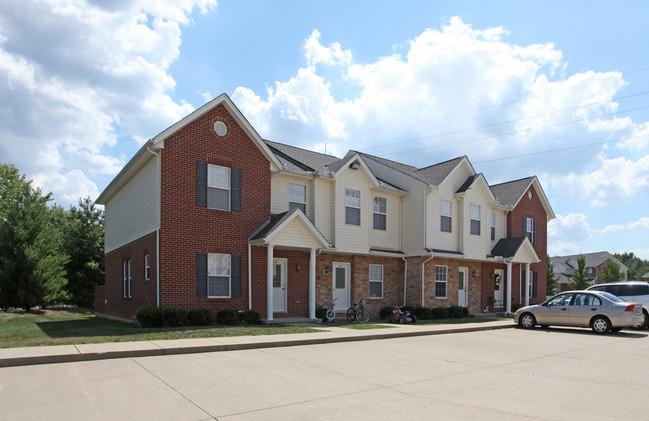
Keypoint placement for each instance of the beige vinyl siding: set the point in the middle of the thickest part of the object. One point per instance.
(353, 238)
(323, 208)
(279, 193)
(294, 234)
(132, 212)
(501, 225)
(477, 246)
(388, 239)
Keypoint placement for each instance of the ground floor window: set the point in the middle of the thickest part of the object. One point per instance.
(441, 278)
(376, 281)
(218, 275)
(126, 272)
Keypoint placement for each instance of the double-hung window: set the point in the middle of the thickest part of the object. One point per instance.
(297, 197)
(441, 279)
(126, 272)
(531, 229)
(380, 213)
(476, 213)
(218, 275)
(352, 207)
(147, 267)
(376, 281)
(493, 227)
(218, 187)
(446, 215)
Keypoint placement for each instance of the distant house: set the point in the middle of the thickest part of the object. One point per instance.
(565, 265)
(209, 214)
(646, 276)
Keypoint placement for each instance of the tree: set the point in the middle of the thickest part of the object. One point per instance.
(637, 267)
(84, 242)
(579, 278)
(31, 260)
(610, 273)
(552, 279)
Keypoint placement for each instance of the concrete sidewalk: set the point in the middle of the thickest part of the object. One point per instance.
(10, 357)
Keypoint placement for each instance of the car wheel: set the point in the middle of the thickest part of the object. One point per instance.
(600, 324)
(616, 329)
(545, 326)
(527, 321)
(646, 320)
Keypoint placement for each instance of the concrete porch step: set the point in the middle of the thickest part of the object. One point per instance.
(290, 320)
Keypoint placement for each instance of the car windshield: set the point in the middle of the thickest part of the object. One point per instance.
(612, 297)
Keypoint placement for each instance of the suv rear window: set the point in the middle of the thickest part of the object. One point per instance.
(625, 290)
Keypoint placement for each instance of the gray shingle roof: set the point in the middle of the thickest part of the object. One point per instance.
(469, 181)
(301, 159)
(510, 192)
(592, 259)
(507, 247)
(435, 174)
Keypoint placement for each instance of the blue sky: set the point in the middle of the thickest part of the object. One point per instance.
(519, 87)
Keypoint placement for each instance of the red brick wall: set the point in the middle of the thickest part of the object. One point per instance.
(532, 209)
(187, 229)
(297, 294)
(110, 298)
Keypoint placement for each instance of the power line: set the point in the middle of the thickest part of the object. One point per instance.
(561, 149)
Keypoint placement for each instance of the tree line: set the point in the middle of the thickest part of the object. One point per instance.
(47, 254)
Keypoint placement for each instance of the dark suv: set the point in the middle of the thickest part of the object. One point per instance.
(635, 292)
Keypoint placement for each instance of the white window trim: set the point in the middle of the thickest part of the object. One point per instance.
(229, 188)
(380, 213)
(445, 281)
(147, 267)
(294, 201)
(127, 278)
(479, 219)
(229, 276)
(352, 206)
(493, 225)
(448, 215)
(529, 229)
(376, 280)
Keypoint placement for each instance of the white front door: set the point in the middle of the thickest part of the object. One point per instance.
(279, 285)
(462, 287)
(341, 286)
(499, 286)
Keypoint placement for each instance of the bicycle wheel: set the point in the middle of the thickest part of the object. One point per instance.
(362, 316)
(331, 314)
(351, 314)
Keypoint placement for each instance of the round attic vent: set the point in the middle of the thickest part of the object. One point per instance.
(529, 195)
(220, 128)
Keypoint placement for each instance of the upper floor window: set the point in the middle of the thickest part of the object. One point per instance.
(380, 212)
(493, 227)
(376, 281)
(218, 187)
(297, 197)
(218, 275)
(147, 267)
(531, 227)
(352, 207)
(446, 218)
(475, 219)
(441, 279)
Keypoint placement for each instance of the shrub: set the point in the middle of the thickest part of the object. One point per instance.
(321, 313)
(172, 317)
(385, 312)
(250, 317)
(199, 316)
(439, 313)
(421, 313)
(465, 311)
(149, 316)
(227, 316)
(455, 312)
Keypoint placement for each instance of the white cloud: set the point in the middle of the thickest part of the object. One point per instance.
(317, 53)
(641, 224)
(643, 253)
(616, 180)
(572, 227)
(75, 74)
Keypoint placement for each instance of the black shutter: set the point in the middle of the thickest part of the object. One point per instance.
(536, 232)
(534, 284)
(235, 261)
(201, 269)
(201, 184)
(524, 226)
(235, 186)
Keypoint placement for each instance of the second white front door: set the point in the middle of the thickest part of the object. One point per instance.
(341, 286)
(462, 287)
(279, 285)
(499, 286)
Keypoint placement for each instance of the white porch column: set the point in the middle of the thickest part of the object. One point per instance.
(527, 284)
(508, 308)
(269, 292)
(312, 284)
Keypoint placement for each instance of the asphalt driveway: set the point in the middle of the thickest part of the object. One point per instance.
(551, 374)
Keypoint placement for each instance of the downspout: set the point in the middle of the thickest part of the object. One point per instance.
(405, 268)
(249, 277)
(405, 279)
(423, 265)
(157, 233)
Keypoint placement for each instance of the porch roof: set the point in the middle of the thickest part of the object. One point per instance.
(516, 250)
(290, 229)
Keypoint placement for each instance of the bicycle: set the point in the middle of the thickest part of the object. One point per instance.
(357, 312)
(331, 313)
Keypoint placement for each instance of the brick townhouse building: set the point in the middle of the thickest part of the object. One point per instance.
(209, 214)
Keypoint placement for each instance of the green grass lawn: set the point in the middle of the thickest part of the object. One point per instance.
(80, 326)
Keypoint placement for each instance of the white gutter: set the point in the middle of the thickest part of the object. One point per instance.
(157, 232)
(405, 269)
(405, 279)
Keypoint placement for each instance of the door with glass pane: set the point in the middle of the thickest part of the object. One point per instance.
(499, 286)
(462, 287)
(279, 285)
(341, 286)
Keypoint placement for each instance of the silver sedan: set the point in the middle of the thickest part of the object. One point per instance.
(600, 311)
